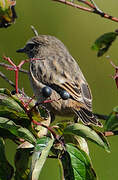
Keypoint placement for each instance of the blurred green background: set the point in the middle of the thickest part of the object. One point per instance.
(77, 30)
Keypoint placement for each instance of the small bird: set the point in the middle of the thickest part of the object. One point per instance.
(58, 77)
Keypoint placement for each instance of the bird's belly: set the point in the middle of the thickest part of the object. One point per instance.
(60, 110)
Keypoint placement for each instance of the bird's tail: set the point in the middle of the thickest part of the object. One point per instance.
(87, 117)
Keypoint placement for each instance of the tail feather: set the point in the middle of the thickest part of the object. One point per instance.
(87, 117)
(83, 118)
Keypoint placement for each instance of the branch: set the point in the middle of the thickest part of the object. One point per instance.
(74, 5)
(93, 8)
(110, 133)
(9, 66)
(101, 116)
(9, 81)
(52, 157)
(6, 79)
(34, 30)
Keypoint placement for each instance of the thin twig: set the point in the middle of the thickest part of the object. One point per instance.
(10, 82)
(6, 79)
(110, 133)
(96, 7)
(74, 5)
(16, 68)
(47, 127)
(52, 157)
(34, 30)
(91, 5)
(9, 66)
(93, 9)
(101, 116)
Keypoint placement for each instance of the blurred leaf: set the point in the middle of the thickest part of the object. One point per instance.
(6, 170)
(40, 154)
(87, 133)
(103, 43)
(17, 130)
(112, 122)
(21, 163)
(7, 12)
(76, 164)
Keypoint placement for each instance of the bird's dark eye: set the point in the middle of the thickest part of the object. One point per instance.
(46, 91)
(64, 95)
(31, 46)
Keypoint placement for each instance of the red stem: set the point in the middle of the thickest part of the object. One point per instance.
(9, 60)
(16, 79)
(92, 10)
(49, 128)
(74, 5)
(89, 4)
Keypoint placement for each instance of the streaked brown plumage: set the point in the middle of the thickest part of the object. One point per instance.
(59, 71)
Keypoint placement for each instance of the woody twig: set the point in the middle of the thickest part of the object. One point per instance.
(93, 8)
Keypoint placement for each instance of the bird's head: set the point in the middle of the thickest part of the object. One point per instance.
(41, 45)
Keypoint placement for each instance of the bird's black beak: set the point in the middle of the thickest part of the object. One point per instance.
(22, 50)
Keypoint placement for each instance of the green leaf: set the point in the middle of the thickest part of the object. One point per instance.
(25, 145)
(78, 141)
(6, 170)
(103, 43)
(21, 163)
(17, 130)
(5, 100)
(11, 109)
(82, 144)
(40, 154)
(87, 133)
(19, 118)
(4, 133)
(112, 122)
(76, 164)
(15, 100)
(5, 91)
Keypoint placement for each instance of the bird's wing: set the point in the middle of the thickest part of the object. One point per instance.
(79, 92)
(83, 109)
(63, 74)
(70, 78)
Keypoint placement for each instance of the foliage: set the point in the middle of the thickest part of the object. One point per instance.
(34, 148)
(103, 43)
